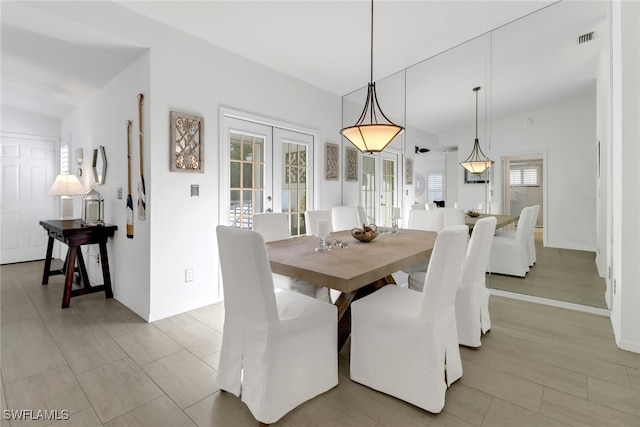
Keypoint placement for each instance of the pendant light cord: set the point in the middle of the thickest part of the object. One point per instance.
(476, 89)
(371, 79)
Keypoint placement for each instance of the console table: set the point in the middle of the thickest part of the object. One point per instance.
(74, 234)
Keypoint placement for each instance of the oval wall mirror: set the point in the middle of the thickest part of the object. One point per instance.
(99, 165)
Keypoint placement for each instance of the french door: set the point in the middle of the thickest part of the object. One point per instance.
(267, 169)
(380, 186)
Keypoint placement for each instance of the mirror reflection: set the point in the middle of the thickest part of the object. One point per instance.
(543, 117)
(99, 165)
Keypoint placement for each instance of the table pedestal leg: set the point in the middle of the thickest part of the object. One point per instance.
(343, 303)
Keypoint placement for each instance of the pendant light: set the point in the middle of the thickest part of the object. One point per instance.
(477, 162)
(368, 134)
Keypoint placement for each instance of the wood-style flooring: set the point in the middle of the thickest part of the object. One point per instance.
(559, 274)
(539, 366)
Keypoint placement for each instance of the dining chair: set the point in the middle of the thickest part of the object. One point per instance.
(275, 226)
(405, 343)
(472, 298)
(531, 239)
(509, 251)
(345, 218)
(427, 220)
(311, 220)
(278, 347)
(452, 217)
(530, 235)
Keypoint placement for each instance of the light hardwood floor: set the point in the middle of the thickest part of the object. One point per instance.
(539, 366)
(559, 274)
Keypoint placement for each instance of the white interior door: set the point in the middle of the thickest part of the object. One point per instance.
(247, 180)
(266, 169)
(380, 186)
(293, 186)
(28, 169)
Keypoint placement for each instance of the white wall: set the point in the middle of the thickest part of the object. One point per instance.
(183, 227)
(567, 133)
(625, 316)
(19, 121)
(102, 121)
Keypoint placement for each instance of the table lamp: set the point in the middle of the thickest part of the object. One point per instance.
(65, 186)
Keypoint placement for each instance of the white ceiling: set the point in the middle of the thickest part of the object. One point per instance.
(51, 63)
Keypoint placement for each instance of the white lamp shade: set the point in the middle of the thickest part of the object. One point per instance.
(66, 185)
(476, 166)
(372, 138)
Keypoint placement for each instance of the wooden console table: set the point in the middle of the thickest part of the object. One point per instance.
(72, 233)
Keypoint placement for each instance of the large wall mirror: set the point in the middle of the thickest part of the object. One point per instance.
(544, 106)
(549, 108)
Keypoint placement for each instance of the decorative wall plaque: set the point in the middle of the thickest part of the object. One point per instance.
(409, 171)
(351, 164)
(331, 161)
(187, 142)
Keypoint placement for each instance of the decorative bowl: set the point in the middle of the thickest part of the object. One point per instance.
(365, 234)
(473, 214)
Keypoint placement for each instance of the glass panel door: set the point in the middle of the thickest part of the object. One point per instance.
(389, 191)
(380, 190)
(248, 181)
(295, 180)
(269, 170)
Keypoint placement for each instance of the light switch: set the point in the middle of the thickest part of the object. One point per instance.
(195, 190)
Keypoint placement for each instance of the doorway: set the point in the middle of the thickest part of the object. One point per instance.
(380, 186)
(265, 169)
(28, 169)
(523, 184)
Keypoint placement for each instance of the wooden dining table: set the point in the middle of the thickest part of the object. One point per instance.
(502, 220)
(357, 271)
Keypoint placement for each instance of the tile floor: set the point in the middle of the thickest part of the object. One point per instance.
(539, 366)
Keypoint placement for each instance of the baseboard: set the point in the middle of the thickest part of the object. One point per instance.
(632, 346)
(561, 304)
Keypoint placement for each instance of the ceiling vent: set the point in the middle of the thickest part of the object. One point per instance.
(585, 38)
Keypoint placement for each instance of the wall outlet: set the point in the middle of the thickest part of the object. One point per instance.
(119, 192)
(188, 275)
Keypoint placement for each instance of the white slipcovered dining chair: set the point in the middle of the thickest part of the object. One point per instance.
(278, 347)
(509, 251)
(405, 343)
(452, 217)
(311, 219)
(427, 220)
(531, 240)
(275, 226)
(345, 218)
(530, 236)
(472, 299)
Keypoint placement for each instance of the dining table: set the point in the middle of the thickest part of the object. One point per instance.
(501, 220)
(356, 269)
